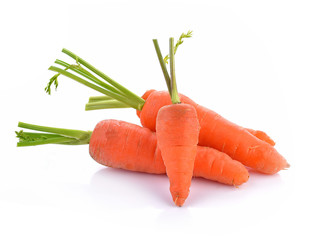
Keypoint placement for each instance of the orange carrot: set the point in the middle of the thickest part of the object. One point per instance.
(162, 98)
(124, 145)
(177, 131)
(221, 134)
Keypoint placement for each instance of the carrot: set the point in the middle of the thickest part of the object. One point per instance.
(239, 143)
(127, 146)
(177, 131)
(138, 151)
(221, 134)
(162, 98)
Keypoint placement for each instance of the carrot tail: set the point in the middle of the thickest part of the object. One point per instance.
(239, 144)
(261, 135)
(220, 166)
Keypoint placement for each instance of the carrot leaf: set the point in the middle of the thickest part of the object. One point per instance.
(178, 43)
(53, 80)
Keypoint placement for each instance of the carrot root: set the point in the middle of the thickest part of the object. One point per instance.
(221, 134)
(138, 151)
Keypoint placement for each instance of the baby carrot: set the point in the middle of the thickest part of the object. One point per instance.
(177, 131)
(124, 145)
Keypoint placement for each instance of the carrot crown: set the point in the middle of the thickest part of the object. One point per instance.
(49, 135)
(114, 94)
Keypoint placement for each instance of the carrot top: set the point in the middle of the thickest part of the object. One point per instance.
(170, 81)
(49, 135)
(114, 94)
(111, 88)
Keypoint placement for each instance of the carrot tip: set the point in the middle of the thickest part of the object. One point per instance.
(287, 166)
(179, 201)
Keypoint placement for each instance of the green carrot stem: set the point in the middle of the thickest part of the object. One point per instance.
(128, 93)
(50, 135)
(34, 135)
(54, 140)
(163, 66)
(74, 142)
(88, 75)
(105, 105)
(99, 98)
(77, 134)
(174, 96)
(97, 88)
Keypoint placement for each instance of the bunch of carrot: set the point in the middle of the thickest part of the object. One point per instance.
(179, 137)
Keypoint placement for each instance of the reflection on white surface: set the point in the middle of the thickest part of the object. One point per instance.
(117, 186)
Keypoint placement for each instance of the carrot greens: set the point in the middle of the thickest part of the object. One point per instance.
(115, 95)
(49, 135)
(113, 89)
(174, 92)
(163, 66)
(179, 42)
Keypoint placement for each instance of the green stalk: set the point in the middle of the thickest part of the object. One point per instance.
(37, 135)
(51, 135)
(99, 98)
(163, 66)
(129, 94)
(33, 139)
(74, 142)
(77, 134)
(54, 140)
(88, 75)
(97, 88)
(105, 105)
(174, 96)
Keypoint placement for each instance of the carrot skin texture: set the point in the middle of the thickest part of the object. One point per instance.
(221, 134)
(127, 146)
(145, 96)
(123, 145)
(219, 166)
(177, 131)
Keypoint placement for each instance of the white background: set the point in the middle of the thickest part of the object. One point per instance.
(250, 61)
